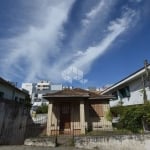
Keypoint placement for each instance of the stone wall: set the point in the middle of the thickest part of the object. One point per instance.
(116, 142)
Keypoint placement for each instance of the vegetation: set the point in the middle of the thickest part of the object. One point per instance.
(109, 115)
(27, 102)
(42, 109)
(132, 118)
(108, 133)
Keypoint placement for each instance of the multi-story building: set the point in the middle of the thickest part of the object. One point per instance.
(36, 90)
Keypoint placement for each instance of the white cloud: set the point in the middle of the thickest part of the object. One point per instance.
(115, 29)
(138, 1)
(37, 54)
(35, 47)
(101, 10)
(96, 18)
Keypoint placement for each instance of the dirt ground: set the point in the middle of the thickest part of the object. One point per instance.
(35, 148)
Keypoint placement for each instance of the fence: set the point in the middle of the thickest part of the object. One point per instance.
(17, 123)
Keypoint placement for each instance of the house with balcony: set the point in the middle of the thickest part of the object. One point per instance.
(132, 90)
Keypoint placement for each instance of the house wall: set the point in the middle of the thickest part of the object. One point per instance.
(136, 94)
(99, 120)
(94, 122)
(10, 93)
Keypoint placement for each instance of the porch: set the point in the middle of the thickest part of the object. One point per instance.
(66, 118)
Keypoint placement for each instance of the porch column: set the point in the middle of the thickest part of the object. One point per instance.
(82, 117)
(49, 118)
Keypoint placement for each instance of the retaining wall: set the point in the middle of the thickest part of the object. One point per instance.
(117, 142)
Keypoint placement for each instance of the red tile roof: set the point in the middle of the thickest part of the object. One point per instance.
(77, 92)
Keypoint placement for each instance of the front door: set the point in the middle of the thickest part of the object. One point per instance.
(65, 117)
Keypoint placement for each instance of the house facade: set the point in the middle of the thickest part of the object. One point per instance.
(14, 116)
(75, 111)
(10, 92)
(132, 90)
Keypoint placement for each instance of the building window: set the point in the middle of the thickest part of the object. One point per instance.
(124, 92)
(16, 98)
(1, 94)
(115, 95)
(36, 95)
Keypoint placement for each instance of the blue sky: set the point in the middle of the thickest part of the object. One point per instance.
(95, 42)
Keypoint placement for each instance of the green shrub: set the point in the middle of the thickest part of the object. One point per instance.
(109, 115)
(131, 117)
(42, 109)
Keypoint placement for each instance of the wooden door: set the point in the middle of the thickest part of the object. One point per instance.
(65, 116)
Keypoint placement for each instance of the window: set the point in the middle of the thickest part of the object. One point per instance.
(124, 92)
(16, 98)
(36, 95)
(115, 95)
(1, 94)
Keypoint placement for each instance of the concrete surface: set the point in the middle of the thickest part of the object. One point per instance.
(117, 142)
(35, 148)
(49, 142)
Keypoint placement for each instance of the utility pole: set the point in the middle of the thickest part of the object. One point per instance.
(145, 77)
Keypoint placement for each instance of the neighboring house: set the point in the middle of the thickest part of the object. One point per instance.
(36, 90)
(134, 89)
(75, 111)
(9, 92)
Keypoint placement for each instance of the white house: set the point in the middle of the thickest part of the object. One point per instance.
(10, 92)
(134, 89)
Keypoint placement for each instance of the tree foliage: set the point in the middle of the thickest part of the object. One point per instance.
(42, 109)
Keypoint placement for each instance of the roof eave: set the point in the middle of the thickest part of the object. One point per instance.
(61, 96)
(125, 80)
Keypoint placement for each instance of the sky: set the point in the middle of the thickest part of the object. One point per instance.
(81, 43)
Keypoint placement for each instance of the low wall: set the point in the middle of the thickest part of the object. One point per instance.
(117, 142)
(13, 120)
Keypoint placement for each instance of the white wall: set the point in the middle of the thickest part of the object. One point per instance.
(10, 92)
(56, 87)
(28, 87)
(136, 94)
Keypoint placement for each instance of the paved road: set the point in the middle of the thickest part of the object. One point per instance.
(35, 148)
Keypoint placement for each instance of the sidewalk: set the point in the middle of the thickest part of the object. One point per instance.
(20, 147)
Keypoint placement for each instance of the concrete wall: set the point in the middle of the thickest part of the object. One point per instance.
(13, 118)
(136, 94)
(116, 142)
